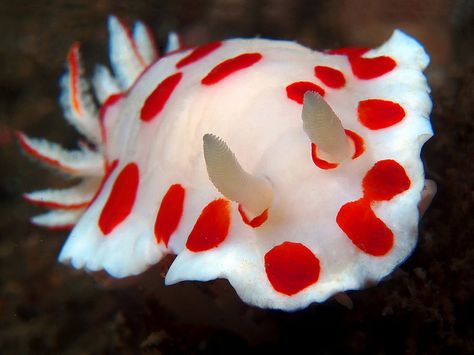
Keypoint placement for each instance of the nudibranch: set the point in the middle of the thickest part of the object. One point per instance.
(292, 173)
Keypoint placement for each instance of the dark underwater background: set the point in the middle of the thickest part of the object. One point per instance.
(425, 307)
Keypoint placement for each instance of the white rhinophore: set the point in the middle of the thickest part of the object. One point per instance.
(253, 193)
(324, 128)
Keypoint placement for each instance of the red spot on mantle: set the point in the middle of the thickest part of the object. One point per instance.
(385, 180)
(370, 68)
(366, 231)
(297, 90)
(230, 66)
(358, 141)
(256, 221)
(121, 199)
(358, 144)
(157, 100)
(321, 163)
(291, 267)
(198, 53)
(169, 214)
(110, 101)
(211, 227)
(378, 114)
(330, 77)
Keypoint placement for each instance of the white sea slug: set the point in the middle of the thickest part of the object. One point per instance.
(294, 174)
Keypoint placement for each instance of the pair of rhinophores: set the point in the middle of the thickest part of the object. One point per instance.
(294, 174)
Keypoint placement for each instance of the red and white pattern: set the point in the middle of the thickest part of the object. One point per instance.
(146, 192)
